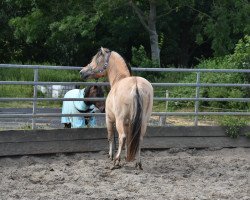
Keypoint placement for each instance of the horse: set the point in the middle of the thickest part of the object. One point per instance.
(128, 104)
(72, 107)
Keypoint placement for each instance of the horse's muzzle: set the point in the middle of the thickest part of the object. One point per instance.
(102, 110)
(84, 75)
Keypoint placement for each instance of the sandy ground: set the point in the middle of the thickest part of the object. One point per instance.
(169, 174)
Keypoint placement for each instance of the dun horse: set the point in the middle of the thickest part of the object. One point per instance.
(128, 104)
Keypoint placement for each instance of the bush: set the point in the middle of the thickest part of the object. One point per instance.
(239, 60)
(232, 125)
(247, 134)
(140, 59)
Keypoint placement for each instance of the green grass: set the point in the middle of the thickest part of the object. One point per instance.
(18, 91)
(16, 74)
(23, 91)
(26, 91)
(26, 104)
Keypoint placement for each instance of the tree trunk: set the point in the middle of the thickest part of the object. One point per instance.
(149, 23)
(155, 51)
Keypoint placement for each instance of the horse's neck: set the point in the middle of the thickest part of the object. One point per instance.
(117, 70)
(113, 79)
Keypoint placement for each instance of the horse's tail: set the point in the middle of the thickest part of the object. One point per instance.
(134, 133)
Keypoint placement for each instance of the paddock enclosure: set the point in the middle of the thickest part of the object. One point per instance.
(197, 85)
(159, 136)
(179, 162)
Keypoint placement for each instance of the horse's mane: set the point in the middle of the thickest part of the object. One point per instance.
(128, 66)
(99, 92)
(126, 63)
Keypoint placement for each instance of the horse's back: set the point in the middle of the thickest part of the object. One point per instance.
(129, 84)
(120, 100)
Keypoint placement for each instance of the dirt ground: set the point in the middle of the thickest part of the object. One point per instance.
(169, 174)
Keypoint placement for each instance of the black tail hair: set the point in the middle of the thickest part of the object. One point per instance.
(133, 138)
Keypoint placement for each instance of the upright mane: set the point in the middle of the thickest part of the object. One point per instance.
(124, 62)
(117, 54)
(127, 65)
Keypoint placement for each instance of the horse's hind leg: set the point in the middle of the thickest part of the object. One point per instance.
(138, 159)
(122, 137)
(138, 155)
(110, 129)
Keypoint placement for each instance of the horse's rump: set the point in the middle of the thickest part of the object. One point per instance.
(131, 101)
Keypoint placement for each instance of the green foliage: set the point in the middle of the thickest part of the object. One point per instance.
(241, 57)
(247, 134)
(242, 53)
(140, 59)
(16, 91)
(59, 75)
(48, 31)
(228, 19)
(22, 74)
(232, 125)
(44, 75)
(234, 61)
(30, 28)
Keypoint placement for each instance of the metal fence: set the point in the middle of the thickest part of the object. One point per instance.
(196, 99)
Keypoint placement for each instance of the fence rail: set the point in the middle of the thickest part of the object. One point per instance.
(103, 99)
(39, 115)
(197, 85)
(133, 68)
(107, 84)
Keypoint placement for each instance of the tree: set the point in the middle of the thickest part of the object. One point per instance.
(228, 21)
(57, 32)
(149, 23)
(68, 32)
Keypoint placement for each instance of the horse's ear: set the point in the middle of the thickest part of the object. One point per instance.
(103, 51)
(87, 91)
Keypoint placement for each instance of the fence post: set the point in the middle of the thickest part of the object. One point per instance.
(35, 98)
(167, 96)
(162, 121)
(197, 95)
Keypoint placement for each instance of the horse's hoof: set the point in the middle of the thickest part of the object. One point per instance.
(117, 161)
(139, 166)
(111, 157)
(115, 167)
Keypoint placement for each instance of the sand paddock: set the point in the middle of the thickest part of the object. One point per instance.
(169, 174)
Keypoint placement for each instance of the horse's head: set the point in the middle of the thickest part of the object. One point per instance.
(93, 92)
(97, 67)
